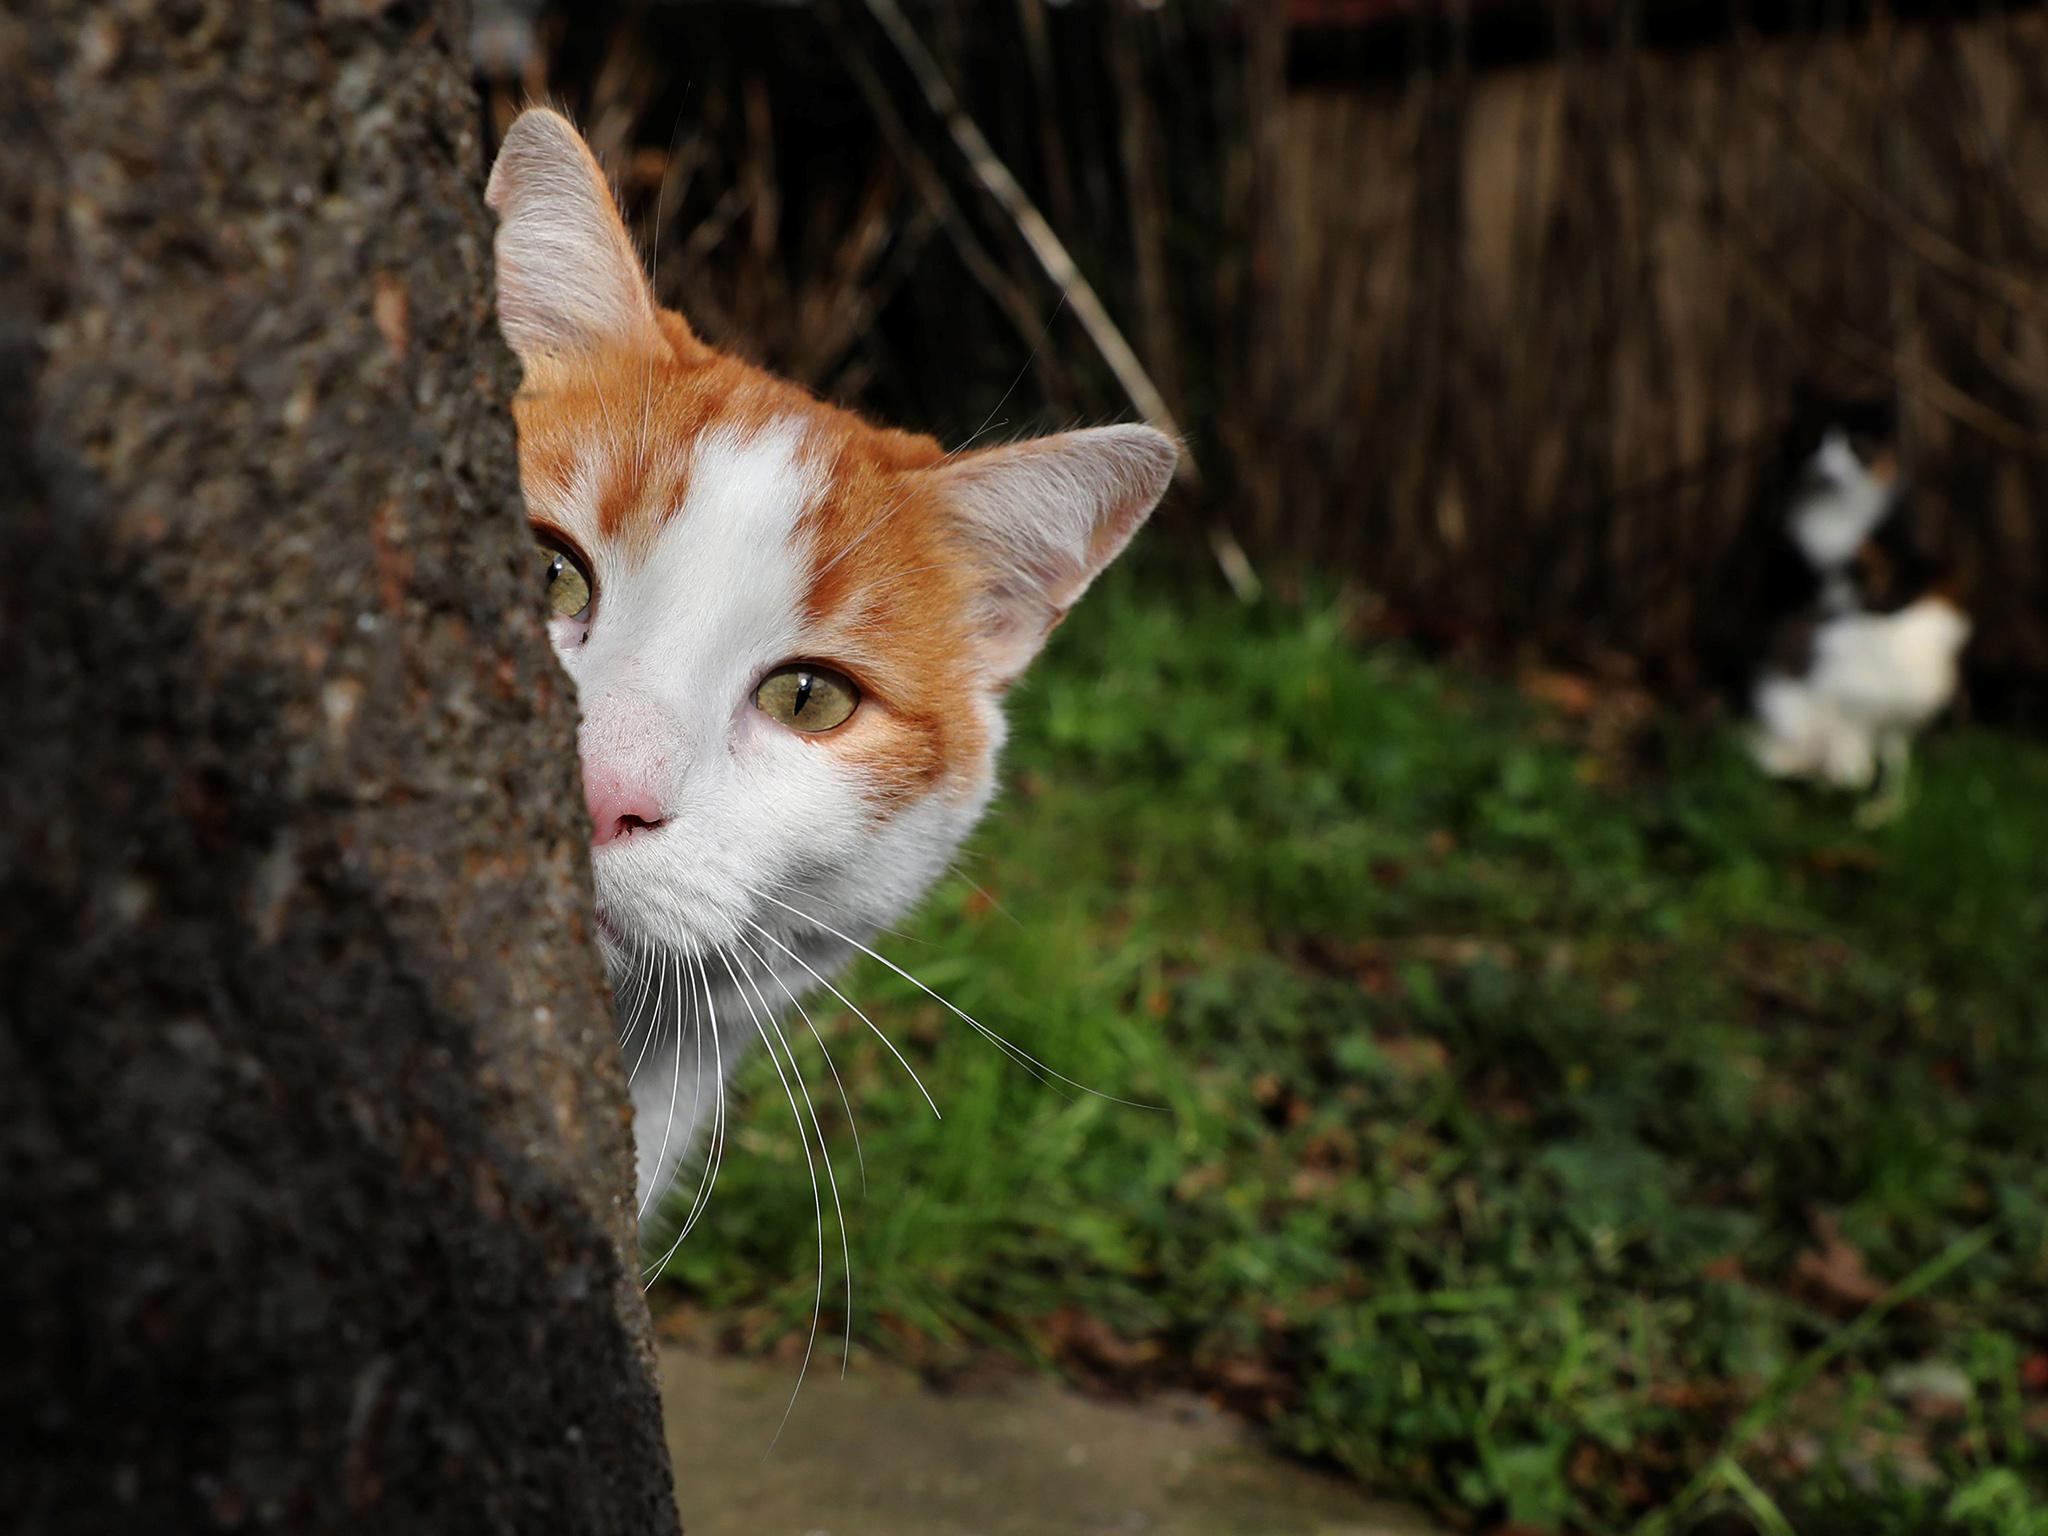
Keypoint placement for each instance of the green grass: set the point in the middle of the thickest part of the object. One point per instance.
(1584, 1139)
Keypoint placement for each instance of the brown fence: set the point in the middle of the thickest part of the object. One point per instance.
(1492, 312)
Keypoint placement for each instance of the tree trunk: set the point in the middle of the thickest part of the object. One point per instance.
(313, 1137)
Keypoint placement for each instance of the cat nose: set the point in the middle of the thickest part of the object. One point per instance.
(619, 804)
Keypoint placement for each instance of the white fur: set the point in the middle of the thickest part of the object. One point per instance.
(569, 280)
(1048, 515)
(772, 861)
(666, 672)
(1876, 680)
(1842, 507)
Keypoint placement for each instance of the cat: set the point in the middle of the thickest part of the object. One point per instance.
(1872, 682)
(1838, 487)
(1849, 488)
(790, 632)
(1867, 632)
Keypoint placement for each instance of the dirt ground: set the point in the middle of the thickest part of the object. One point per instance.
(879, 1453)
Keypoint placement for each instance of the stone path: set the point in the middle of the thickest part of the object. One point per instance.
(881, 1454)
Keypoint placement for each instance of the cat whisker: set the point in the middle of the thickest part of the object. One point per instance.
(654, 293)
(1046, 1074)
(989, 896)
(611, 427)
(637, 977)
(865, 534)
(708, 1180)
(653, 1020)
(868, 590)
(831, 1177)
(674, 1094)
(1016, 1053)
(1032, 357)
(696, 1081)
(646, 418)
(769, 935)
(859, 1157)
(898, 506)
(817, 1203)
(703, 1023)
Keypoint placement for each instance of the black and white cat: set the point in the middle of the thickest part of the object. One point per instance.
(1867, 633)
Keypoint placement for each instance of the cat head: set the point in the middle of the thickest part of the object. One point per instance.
(1836, 440)
(1841, 475)
(790, 630)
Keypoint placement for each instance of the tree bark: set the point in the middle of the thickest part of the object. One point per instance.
(314, 1141)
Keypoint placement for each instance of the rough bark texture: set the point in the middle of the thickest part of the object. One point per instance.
(312, 1133)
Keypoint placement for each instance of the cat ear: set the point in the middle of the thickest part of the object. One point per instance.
(569, 280)
(1046, 516)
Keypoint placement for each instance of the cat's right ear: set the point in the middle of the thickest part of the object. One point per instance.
(569, 280)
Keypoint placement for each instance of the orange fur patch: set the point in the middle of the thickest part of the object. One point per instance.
(605, 449)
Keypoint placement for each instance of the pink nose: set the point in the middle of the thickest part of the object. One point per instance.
(618, 805)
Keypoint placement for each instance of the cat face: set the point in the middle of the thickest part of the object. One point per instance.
(790, 631)
(1845, 489)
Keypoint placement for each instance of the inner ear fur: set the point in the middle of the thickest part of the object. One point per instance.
(1045, 517)
(570, 284)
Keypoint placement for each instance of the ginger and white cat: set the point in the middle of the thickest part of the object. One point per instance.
(790, 632)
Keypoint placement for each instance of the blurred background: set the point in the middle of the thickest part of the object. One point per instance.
(1567, 1127)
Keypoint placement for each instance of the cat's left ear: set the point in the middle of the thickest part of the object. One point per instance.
(1045, 517)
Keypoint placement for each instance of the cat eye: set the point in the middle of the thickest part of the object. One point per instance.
(807, 698)
(568, 584)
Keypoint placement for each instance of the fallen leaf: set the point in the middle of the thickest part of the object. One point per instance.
(1566, 692)
(1082, 1338)
(1833, 1270)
